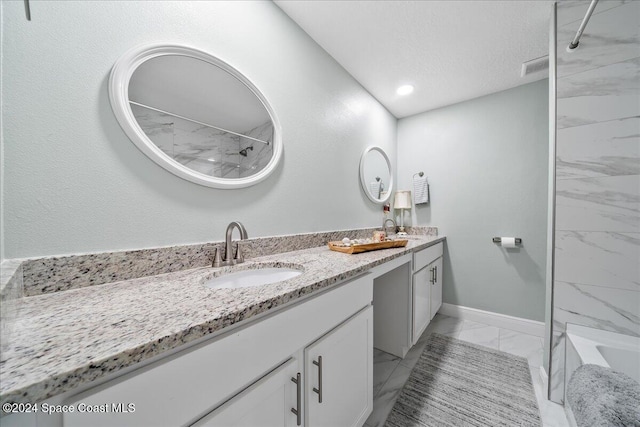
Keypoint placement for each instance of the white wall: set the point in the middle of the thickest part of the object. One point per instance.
(486, 160)
(74, 183)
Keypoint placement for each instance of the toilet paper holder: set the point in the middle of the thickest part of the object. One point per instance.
(499, 240)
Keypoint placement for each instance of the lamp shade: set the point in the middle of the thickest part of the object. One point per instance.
(402, 200)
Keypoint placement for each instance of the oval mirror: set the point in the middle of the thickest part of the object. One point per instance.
(376, 174)
(195, 115)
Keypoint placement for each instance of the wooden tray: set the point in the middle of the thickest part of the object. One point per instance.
(356, 249)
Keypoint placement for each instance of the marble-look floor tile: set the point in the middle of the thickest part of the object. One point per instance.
(523, 345)
(595, 204)
(386, 398)
(602, 149)
(488, 336)
(443, 325)
(551, 414)
(469, 324)
(383, 365)
(412, 356)
(612, 37)
(598, 258)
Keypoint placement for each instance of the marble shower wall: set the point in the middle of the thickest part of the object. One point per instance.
(597, 229)
(205, 149)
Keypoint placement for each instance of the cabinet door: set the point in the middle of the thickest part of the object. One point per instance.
(339, 374)
(436, 287)
(267, 402)
(421, 301)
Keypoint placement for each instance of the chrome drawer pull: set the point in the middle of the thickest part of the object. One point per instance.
(297, 410)
(319, 389)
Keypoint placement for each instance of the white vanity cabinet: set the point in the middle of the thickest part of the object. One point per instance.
(243, 376)
(407, 294)
(426, 288)
(335, 385)
(271, 368)
(339, 374)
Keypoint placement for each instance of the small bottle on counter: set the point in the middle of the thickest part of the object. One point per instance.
(386, 210)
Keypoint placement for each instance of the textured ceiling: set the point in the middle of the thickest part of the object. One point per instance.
(450, 51)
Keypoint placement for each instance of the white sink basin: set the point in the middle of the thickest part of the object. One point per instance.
(250, 278)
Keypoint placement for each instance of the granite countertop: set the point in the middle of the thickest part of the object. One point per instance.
(65, 339)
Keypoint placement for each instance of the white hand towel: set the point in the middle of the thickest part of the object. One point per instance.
(420, 189)
(375, 189)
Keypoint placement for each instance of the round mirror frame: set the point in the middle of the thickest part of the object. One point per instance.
(363, 178)
(119, 80)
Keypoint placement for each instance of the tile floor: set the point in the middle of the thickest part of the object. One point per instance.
(391, 372)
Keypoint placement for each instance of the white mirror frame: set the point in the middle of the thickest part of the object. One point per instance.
(119, 97)
(363, 178)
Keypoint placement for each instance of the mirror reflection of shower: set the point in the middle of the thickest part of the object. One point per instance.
(206, 149)
(221, 128)
(243, 152)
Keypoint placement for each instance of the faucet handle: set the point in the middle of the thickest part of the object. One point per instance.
(239, 257)
(217, 258)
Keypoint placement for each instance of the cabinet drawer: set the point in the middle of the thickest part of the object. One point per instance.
(426, 256)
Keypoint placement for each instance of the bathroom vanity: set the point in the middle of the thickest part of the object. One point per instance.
(402, 313)
(316, 354)
(166, 350)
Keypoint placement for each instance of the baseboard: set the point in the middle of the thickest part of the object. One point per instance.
(526, 326)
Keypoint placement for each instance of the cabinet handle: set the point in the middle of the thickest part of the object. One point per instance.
(432, 278)
(296, 410)
(435, 274)
(318, 390)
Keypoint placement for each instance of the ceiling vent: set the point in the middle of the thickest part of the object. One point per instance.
(535, 66)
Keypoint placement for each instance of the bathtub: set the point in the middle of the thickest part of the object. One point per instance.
(594, 346)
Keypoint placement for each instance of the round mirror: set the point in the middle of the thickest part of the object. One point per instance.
(376, 174)
(195, 115)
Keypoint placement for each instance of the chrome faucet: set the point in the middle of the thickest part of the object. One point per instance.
(228, 247)
(384, 225)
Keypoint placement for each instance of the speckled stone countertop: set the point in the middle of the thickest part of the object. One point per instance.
(65, 339)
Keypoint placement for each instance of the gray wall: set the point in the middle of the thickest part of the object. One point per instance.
(73, 182)
(486, 160)
(597, 231)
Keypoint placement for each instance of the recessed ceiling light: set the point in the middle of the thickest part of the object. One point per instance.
(404, 90)
(211, 159)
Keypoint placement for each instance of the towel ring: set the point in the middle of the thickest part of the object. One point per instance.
(421, 174)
